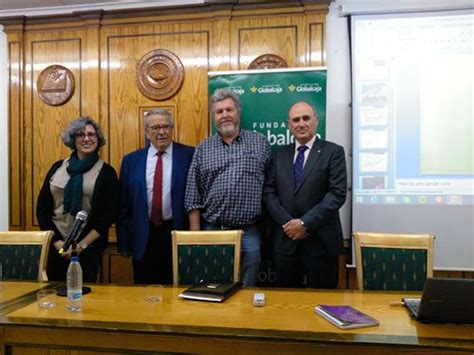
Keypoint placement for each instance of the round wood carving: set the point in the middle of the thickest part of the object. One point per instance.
(160, 74)
(55, 85)
(268, 61)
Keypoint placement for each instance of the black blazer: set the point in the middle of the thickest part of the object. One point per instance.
(316, 200)
(104, 205)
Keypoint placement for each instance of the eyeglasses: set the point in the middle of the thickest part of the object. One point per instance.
(83, 135)
(157, 127)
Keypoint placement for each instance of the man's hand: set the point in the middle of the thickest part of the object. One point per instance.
(295, 229)
(194, 220)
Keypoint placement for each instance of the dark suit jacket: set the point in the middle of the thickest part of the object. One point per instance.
(316, 200)
(132, 224)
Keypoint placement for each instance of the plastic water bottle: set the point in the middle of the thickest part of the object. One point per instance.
(74, 285)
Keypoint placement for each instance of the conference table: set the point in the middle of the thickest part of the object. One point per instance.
(117, 319)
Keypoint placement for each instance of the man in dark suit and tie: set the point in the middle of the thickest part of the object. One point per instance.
(152, 186)
(304, 189)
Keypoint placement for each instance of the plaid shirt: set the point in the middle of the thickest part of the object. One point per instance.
(225, 181)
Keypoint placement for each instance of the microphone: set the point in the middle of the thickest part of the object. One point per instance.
(81, 218)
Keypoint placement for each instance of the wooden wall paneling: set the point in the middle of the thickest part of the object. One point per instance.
(298, 37)
(124, 46)
(351, 276)
(468, 275)
(91, 97)
(2, 340)
(161, 15)
(119, 269)
(220, 39)
(191, 100)
(123, 99)
(15, 131)
(283, 31)
(44, 123)
(316, 23)
(316, 41)
(253, 37)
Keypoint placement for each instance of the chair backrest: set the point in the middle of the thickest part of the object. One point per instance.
(206, 255)
(24, 255)
(399, 262)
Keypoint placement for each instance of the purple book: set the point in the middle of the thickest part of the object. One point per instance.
(345, 317)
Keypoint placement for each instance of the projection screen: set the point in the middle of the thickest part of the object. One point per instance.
(413, 152)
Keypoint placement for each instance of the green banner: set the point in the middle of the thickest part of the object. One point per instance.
(267, 95)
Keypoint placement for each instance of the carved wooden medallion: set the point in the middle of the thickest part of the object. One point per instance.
(160, 74)
(268, 61)
(55, 85)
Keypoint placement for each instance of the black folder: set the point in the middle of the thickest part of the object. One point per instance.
(211, 291)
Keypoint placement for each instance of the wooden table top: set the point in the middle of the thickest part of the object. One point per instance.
(10, 290)
(288, 314)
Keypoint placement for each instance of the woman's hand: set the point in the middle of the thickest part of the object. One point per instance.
(58, 244)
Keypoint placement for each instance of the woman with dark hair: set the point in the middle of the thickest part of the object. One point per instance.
(81, 182)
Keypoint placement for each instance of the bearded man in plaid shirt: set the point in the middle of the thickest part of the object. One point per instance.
(225, 181)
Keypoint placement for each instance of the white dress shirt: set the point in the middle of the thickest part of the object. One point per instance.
(167, 159)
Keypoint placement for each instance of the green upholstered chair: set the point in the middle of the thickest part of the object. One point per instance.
(23, 255)
(398, 262)
(206, 255)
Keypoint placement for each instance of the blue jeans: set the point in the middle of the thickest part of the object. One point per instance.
(249, 253)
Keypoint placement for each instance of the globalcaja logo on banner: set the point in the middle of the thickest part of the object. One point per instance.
(239, 90)
(267, 96)
(267, 89)
(313, 87)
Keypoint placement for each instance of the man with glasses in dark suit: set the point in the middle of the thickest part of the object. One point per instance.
(152, 187)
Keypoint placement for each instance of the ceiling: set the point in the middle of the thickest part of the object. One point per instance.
(49, 7)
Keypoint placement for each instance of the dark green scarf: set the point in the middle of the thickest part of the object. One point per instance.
(72, 199)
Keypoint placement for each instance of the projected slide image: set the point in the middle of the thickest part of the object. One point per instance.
(374, 139)
(413, 107)
(373, 94)
(373, 162)
(373, 182)
(373, 116)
